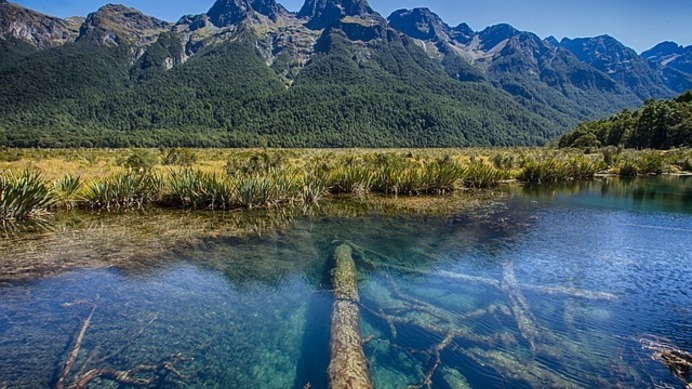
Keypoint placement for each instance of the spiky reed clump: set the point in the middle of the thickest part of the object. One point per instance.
(256, 190)
(66, 191)
(628, 168)
(442, 175)
(23, 197)
(123, 191)
(545, 171)
(195, 189)
(481, 176)
(351, 175)
(580, 168)
(553, 170)
(651, 162)
(392, 172)
(314, 185)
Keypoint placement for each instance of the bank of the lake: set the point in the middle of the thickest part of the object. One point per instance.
(36, 182)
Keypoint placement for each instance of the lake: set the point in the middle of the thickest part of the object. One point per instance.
(526, 287)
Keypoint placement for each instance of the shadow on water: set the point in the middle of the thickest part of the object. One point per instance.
(640, 194)
(314, 357)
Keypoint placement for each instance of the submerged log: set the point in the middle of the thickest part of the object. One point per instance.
(348, 368)
(526, 322)
(390, 263)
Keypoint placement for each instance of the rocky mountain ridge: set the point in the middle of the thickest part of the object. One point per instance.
(673, 62)
(329, 44)
(287, 33)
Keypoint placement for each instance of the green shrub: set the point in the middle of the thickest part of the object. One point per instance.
(195, 189)
(180, 157)
(123, 191)
(66, 191)
(651, 162)
(22, 198)
(141, 161)
(628, 168)
(479, 175)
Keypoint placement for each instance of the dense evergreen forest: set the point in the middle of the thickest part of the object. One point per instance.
(87, 95)
(337, 74)
(658, 124)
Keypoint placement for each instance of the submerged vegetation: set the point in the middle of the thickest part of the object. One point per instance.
(228, 179)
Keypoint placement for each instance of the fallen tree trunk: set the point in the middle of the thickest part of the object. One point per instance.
(348, 368)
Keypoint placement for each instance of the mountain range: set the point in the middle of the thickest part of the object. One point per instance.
(334, 74)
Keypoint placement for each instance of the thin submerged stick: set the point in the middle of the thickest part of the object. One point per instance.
(72, 357)
(129, 377)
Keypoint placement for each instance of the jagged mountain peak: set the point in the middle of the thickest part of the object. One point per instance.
(115, 24)
(552, 40)
(665, 49)
(620, 62)
(419, 23)
(502, 30)
(324, 13)
(599, 48)
(35, 28)
(464, 28)
(674, 64)
(424, 24)
(494, 35)
(227, 12)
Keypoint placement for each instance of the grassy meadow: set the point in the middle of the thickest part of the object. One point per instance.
(34, 182)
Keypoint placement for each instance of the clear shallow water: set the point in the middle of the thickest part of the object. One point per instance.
(541, 287)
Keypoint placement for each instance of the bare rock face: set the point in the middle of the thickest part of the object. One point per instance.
(227, 12)
(621, 63)
(324, 13)
(673, 62)
(117, 24)
(37, 29)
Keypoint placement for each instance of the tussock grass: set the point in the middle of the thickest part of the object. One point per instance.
(122, 191)
(223, 179)
(23, 197)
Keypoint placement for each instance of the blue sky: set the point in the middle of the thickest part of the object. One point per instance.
(639, 24)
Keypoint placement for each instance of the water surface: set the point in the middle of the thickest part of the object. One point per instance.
(537, 287)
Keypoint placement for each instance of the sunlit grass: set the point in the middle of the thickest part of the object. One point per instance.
(222, 179)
